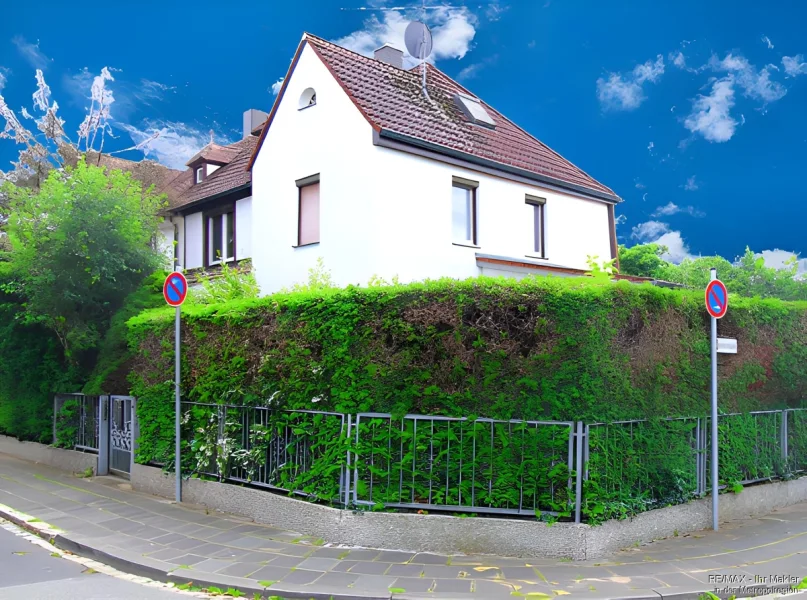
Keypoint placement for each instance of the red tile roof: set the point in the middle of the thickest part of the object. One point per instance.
(215, 154)
(391, 100)
(231, 176)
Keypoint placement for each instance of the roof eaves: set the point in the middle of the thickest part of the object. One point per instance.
(472, 158)
(216, 196)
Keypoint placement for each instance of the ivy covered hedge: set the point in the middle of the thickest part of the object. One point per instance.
(544, 348)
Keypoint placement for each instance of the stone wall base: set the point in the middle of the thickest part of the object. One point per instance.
(59, 458)
(477, 535)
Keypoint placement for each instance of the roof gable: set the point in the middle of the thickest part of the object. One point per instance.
(391, 100)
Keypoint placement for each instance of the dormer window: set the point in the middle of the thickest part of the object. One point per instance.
(200, 174)
(307, 98)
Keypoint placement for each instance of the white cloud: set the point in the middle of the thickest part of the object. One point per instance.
(756, 84)
(152, 90)
(777, 258)
(673, 209)
(531, 44)
(678, 59)
(767, 40)
(171, 144)
(639, 184)
(453, 30)
(711, 115)
(794, 65)
(656, 232)
(621, 219)
(644, 197)
(275, 87)
(649, 230)
(691, 185)
(469, 72)
(625, 91)
(3, 78)
(31, 52)
(650, 147)
(495, 10)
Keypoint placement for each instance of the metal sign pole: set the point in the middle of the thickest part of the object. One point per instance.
(714, 415)
(177, 458)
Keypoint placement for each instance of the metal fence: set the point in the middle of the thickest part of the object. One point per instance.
(488, 466)
(456, 464)
(281, 450)
(75, 421)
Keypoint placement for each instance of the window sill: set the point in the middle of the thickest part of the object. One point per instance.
(306, 245)
(536, 256)
(466, 245)
(216, 263)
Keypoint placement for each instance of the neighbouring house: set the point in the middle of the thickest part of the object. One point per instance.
(208, 220)
(357, 165)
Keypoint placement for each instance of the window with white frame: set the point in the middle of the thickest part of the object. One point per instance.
(221, 237)
(200, 173)
(463, 211)
(308, 211)
(538, 208)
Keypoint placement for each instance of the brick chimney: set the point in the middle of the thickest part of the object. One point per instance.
(390, 55)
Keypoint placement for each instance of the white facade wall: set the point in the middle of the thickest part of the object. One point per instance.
(165, 242)
(388, 213)
(333, 139)
(243, 228)
(194, 240)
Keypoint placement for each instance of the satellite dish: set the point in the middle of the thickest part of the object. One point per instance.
(418, 40)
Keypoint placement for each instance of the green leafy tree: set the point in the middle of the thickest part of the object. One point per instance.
(643, 260)
(79, 245)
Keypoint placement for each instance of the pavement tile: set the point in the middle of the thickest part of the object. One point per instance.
(452, 586)
(679, 579)
(245, 542)
(336, 580)
(288, 562)
(270, 573)
(425, 558)
(399, 570)
(318, 564)
(241, 569)
(258, 557)
(168, 555)
(188, 559)
(483, 572)
(287, 549)
(167, 538)
(231, 553)
(637, 570)
(205, 549)
(392, 556)
(329, 553)
(135, 545)
(370, 568)
(362, 554)
(373, 583)
(225, 537)
(485, 588)
(443, 571)
(185, 543)
(413, 585)
(213, 565)
(302, 577)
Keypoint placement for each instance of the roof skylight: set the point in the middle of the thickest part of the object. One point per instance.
(474, 110)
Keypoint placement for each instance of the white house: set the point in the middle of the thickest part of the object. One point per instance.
(357, 165)
(208, 221)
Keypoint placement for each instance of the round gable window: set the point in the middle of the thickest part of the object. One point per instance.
(308, 98)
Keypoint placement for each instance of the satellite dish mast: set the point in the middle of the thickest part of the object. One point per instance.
(418, 40)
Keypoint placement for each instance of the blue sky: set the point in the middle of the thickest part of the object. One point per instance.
(694, 112)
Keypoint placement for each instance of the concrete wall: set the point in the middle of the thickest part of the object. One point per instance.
(438, 533)
(386, 212)
(59, 458)
(243, 228)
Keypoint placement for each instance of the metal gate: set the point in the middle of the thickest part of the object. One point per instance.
(120, 434)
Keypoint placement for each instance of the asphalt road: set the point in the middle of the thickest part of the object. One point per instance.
(29, 572)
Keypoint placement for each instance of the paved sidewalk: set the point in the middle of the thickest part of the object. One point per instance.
(156, 538)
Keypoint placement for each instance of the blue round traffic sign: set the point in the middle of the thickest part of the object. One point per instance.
(717, 299)
(175, 289)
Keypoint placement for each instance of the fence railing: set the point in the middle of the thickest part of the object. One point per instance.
(76, 420)
(436, 463)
